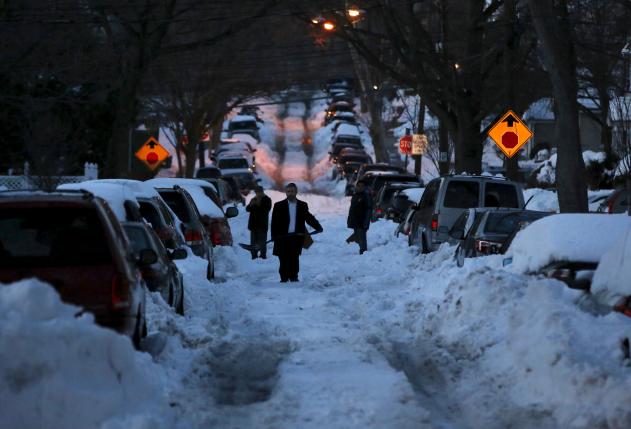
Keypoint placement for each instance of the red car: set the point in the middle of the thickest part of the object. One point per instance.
(74, 242)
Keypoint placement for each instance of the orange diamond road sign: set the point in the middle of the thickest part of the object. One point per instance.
(510, 133)
(152, 153)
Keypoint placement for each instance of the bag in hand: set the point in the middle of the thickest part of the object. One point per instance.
(308, 241)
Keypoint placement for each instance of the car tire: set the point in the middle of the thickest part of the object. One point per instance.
(180, 305)
(170, 302)
(424, 245)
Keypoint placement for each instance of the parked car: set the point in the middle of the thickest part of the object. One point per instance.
(375, 180)
(339, 146)
(244, 124)
(74, 241)
(483, 231)
(193, 228)
(334, 108)
(151, 207)
(615, 203)
(350, 186)
(402, 200)
(234, 189)
(209, 172)
(208, 205)
(384, 200)
(161, 276)
(567, 247)
(346, 117)
(445, 198)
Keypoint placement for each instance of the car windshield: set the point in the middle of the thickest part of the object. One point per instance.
(348, 139)
(52, 237)
(505, 223)
(243, 125)
(233, 163)
(208, 173)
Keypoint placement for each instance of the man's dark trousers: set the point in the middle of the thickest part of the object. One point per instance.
(259, 239)
(289, 258)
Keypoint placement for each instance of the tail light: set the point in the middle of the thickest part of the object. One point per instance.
(120, 292)
(193, 236)
(435, 223)
(611, 203)
(624, 306)
(487, 247)
(216, 235)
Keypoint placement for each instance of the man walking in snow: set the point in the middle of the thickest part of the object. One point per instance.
(359, 215)
(288, 232)
(259, 208)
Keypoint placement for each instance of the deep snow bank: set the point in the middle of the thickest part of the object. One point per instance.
(59, 371)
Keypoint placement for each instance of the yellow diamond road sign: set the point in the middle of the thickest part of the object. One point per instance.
(152, 153)
(510, 133)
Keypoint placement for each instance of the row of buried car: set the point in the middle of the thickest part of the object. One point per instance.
(102, 243)
(347, 151)
(487, 215)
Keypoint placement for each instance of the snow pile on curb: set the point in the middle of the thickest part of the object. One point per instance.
(59, 371)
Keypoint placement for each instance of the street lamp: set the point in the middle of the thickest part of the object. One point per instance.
(328, 25)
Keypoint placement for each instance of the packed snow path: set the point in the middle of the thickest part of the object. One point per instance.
(386, 339)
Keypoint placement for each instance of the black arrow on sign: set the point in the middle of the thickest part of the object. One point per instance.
(152, 144)
(510, 120)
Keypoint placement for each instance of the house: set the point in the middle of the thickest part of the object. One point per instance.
(540, 119)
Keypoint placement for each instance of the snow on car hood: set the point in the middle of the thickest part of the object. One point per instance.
(612, 279)
(566, 237)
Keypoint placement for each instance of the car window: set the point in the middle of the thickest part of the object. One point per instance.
(166, 213)
(500, 195)
(52, 236)
(177, 203)
(150, 214)
(462, 194)
(429, 196)
(211, 173)
(243, 125)
(505, 223)
(138, 237)
(233, 163)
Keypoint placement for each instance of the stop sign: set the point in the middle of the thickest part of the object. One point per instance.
(405, 145)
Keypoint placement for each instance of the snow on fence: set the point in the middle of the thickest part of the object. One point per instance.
(27, 181)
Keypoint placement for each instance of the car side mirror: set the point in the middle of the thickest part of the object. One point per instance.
(178, 254)
(457, 233)
(232, 212)
(146, 257)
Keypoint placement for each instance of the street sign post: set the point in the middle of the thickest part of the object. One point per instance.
(405, 145)
(510, 133)
(152, 153)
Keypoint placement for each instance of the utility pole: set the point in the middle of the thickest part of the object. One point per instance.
(420, 129)
(511, 165)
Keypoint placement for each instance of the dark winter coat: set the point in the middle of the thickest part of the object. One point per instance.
(280, 226)
(360, 211)
(259, 214)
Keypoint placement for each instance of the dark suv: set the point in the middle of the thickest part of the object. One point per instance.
(74, 242)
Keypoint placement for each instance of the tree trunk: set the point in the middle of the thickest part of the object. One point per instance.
(553, 28)
(444, 158)
(377, 129)
(511, 165)
(605, 128)
(469, 142)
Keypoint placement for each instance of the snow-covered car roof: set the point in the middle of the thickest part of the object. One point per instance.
(235, 147)
(347, 130)
(136, 187)
(566, 237)
(232, 155)
(169, 182)
(114, 194)
(243, 118)
(413, 194)
(241, 138)
(344, 115)
(204, 204)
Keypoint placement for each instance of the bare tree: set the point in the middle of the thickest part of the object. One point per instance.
(552, 23)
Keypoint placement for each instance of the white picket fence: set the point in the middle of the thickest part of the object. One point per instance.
(26, 181)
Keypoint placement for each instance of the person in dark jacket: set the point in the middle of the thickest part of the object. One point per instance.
(288, 232)
(259, 208)
(359, 215)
